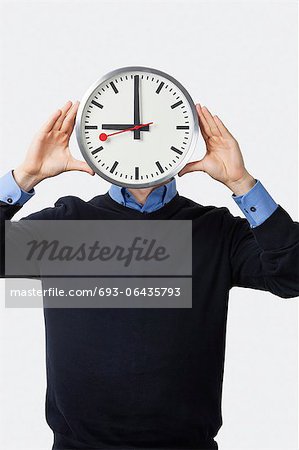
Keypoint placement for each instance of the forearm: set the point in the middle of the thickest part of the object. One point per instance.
(243, 185)
(6, 213)
(25, 180)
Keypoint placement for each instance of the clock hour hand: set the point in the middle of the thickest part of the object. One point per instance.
(104, 136)
(136, 106)
(120, 126)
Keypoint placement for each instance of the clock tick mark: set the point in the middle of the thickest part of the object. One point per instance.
(136, 173)
(160, 87)
(176, 104)
(159, 166)
(97, 104)
(176, 150)
(96, 150)
(115, 164)
(114, 87)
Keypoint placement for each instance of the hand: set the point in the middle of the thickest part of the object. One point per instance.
(223, 160)
(49, 153)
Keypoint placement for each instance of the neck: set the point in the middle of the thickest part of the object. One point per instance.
(142, 194)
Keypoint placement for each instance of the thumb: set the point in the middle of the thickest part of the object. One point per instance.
(192, 167)
(82, 166)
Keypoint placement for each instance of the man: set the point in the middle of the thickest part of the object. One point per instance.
(152, 378)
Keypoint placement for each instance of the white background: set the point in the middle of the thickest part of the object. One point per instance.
(238, 58)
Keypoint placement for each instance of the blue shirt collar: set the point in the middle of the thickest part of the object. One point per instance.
(156, 199)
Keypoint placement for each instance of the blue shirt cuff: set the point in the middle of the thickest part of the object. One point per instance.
(257, 204)
(10, 191)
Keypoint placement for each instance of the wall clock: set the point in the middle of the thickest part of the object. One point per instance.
(137, 127)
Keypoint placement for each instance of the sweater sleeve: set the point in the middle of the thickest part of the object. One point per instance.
(58, 212)
(266, 257)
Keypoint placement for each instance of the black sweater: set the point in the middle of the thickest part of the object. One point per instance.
(152, 378)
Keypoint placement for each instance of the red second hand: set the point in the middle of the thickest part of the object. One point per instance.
(104, 136)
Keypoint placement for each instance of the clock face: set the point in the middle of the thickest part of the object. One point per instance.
(137, 127)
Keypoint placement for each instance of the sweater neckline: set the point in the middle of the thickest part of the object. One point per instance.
(174, 204)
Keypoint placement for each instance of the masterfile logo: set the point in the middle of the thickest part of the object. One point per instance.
(98, 247)
(99, 264)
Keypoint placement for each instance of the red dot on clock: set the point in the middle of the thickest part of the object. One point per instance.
(103, 137)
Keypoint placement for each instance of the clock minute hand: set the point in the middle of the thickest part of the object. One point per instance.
(136, 106)
(104, 136)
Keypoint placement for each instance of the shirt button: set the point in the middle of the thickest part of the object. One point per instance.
(253, 209)
(9, 200)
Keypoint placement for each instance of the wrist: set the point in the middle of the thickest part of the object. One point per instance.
(242, 185)
(24, 179)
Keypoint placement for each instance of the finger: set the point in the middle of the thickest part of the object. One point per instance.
(64, 110)
(51, 121)
(224, 131)
(202, 130)
(203, 124)
(192, 167)
(212, 124)
(82, 166)
(69, 120)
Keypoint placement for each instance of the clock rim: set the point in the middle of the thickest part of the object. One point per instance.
(171, 174)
